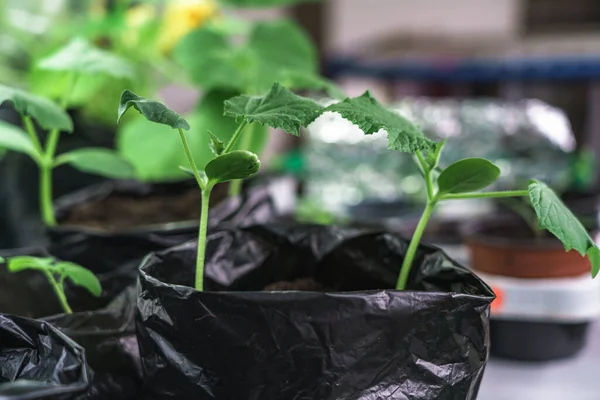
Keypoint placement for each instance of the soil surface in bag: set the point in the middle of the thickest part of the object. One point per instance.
(37, 361)
(115, 256)
(359, 340)
(108, 337)
(26, 293)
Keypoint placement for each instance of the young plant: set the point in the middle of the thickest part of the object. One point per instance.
(57, 272)
(461, 180)
(279, 108)
(75, 59)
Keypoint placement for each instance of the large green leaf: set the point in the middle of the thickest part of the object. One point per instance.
(153, 111)
(80, 276)
(47, 113)
(279, 108)
(265, 3)
(13, 138)
(468, 175)
(81, 57)
(238, 164)
(554, 216)
(98, 161)
(210, 60)
(370, 117)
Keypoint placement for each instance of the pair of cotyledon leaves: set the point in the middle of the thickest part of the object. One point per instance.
(280, 108)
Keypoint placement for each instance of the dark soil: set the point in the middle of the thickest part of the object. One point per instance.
(304, 284)
(119, 212)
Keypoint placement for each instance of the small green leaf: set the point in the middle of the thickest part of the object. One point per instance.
(15, 139)
(80, 276)
(370, 117)
(48, 114)
(554, 216)
(216, 145)
(433, 157)
(152, 110)
(302, 80)
(238, 164)
(279, 108)
(468, 175)
(98, 161)
(22, 263)
(81, 57)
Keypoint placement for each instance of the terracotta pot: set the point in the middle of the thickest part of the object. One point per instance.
(507, 247)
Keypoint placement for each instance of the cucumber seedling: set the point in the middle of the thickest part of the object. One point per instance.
(279, 108)
(75, 59)
(57, 272)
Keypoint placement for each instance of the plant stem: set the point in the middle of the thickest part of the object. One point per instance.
(485, 195)
(60, 292)
(414, 245)
(190, 158)
(235, 187)
(30, 128)
(235, 137)
(199, 284)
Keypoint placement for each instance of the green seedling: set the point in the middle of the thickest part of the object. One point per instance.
(77, 58)
(57, 273)
(279, 108)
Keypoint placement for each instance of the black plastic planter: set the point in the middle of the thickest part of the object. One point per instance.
(115, 256)
(39, 362)
(351, 337)
(108, 337)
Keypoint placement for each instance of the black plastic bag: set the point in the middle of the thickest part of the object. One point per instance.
(351, 338)
(108, 337)
(115, 257)
(26, 293)
(39, 362)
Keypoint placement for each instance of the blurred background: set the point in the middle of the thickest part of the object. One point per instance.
(514, 81)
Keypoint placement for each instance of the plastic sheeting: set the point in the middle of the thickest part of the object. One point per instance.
(356, 339)
(39, 362)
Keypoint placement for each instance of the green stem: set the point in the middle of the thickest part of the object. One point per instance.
(30, 128)
(486, 195)
(235, 187)
(190, 158)
(414, 245)
(60, 292)
(199, 284)
(236, 136)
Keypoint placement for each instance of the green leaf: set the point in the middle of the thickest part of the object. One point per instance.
(280, 108)
(15, 139)
(22, 263)
(298, 80)
(152, 110)
(468, 175)
(265, 3)
(216, 145)
(210, 60)
(81, 57)
(80, 276)
(433, 157)
(98, 161)
(238, 164)
(554, 216)
(48, 114)
(370, 117)
(277, 49)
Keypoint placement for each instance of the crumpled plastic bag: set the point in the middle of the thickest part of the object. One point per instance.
(108, 337)
(347, 336)
(37, 361)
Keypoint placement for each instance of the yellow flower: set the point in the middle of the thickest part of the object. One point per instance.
(182, 17)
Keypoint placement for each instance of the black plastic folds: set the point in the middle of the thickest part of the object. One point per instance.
(108, 337)
(115, 257)
(39, 362)
(352, 338)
